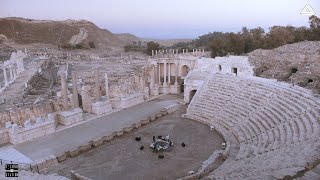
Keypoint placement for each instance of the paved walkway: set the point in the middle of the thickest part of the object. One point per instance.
(76, 136)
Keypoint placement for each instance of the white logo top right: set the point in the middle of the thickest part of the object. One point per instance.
(307, 10)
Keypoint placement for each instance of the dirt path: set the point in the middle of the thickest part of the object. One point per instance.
(122, 158)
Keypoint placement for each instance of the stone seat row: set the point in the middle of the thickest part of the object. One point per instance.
(266, 122)
(308, 114)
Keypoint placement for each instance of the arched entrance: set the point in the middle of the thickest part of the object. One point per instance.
(191, 94)
(185, 70)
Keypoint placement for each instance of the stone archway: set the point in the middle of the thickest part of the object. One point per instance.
(191, 94)
(185, 70)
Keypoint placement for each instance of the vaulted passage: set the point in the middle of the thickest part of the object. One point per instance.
(191, 95)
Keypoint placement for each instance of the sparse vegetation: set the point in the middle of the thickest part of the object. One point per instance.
(152, 46)
(135, 48)
(247, 40)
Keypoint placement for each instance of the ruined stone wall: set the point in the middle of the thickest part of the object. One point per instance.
(19, 116)
(297, 63)
(122, 86)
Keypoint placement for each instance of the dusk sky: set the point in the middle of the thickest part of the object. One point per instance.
(166, 19)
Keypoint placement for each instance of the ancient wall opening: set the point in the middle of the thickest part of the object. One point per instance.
(234, 70)
(191, 94)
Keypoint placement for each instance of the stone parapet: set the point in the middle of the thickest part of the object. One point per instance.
(19, 135)
(70, 117)
(101, 107)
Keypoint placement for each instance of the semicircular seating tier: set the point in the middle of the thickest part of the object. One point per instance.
(275, 124)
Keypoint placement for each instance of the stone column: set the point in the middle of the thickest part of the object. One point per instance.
(156, 74)
(169, 73)
(159, 74)
(64, 92)
(107, 86)
(86, 99)
(152, 78)
(192, 51)
(176, 76)
(14, 72)
(142, 82)
(164, 74)
(152, 53)
(11, 72)
(5, 76)
(75, 90)
(96, 86)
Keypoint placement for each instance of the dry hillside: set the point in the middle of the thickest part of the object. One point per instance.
(297, 63)
(27, 31)
(131, 39)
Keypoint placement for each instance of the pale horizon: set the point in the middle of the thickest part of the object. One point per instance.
(166, 19)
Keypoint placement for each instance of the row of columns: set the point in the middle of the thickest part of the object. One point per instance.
(176, 51)
(64, 89)
(12, 72)
(165, 75)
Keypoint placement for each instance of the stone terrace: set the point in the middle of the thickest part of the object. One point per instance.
(276, 124)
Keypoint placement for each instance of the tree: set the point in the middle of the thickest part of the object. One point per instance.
(314, 22)
(235, 43)
(218, 45)
(257, 37)
(278, 36)
(248, 40)
(152, 46)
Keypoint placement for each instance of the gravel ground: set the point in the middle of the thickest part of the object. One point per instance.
(123, 159)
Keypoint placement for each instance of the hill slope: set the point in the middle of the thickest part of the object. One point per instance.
(297, 63)
(26, 31)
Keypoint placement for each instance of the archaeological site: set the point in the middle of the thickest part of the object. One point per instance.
(80, 102)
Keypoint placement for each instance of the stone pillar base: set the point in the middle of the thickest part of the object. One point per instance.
(70, 117)
(146, 93)
(101, 107)
(155, 90)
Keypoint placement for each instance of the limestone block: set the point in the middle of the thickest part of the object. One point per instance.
(155, 90)
(153, 117)
(52, 117)
(145, 121)
(101, 107)
(120, 133)
(19, 135)
(15, 127)
(128, 129)
(27, 123)
(62, 157)
(137, 125)
(39, 120)
(146, 94)
(108, 138)
(8, 124)
(70, 117)
(125, 102)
